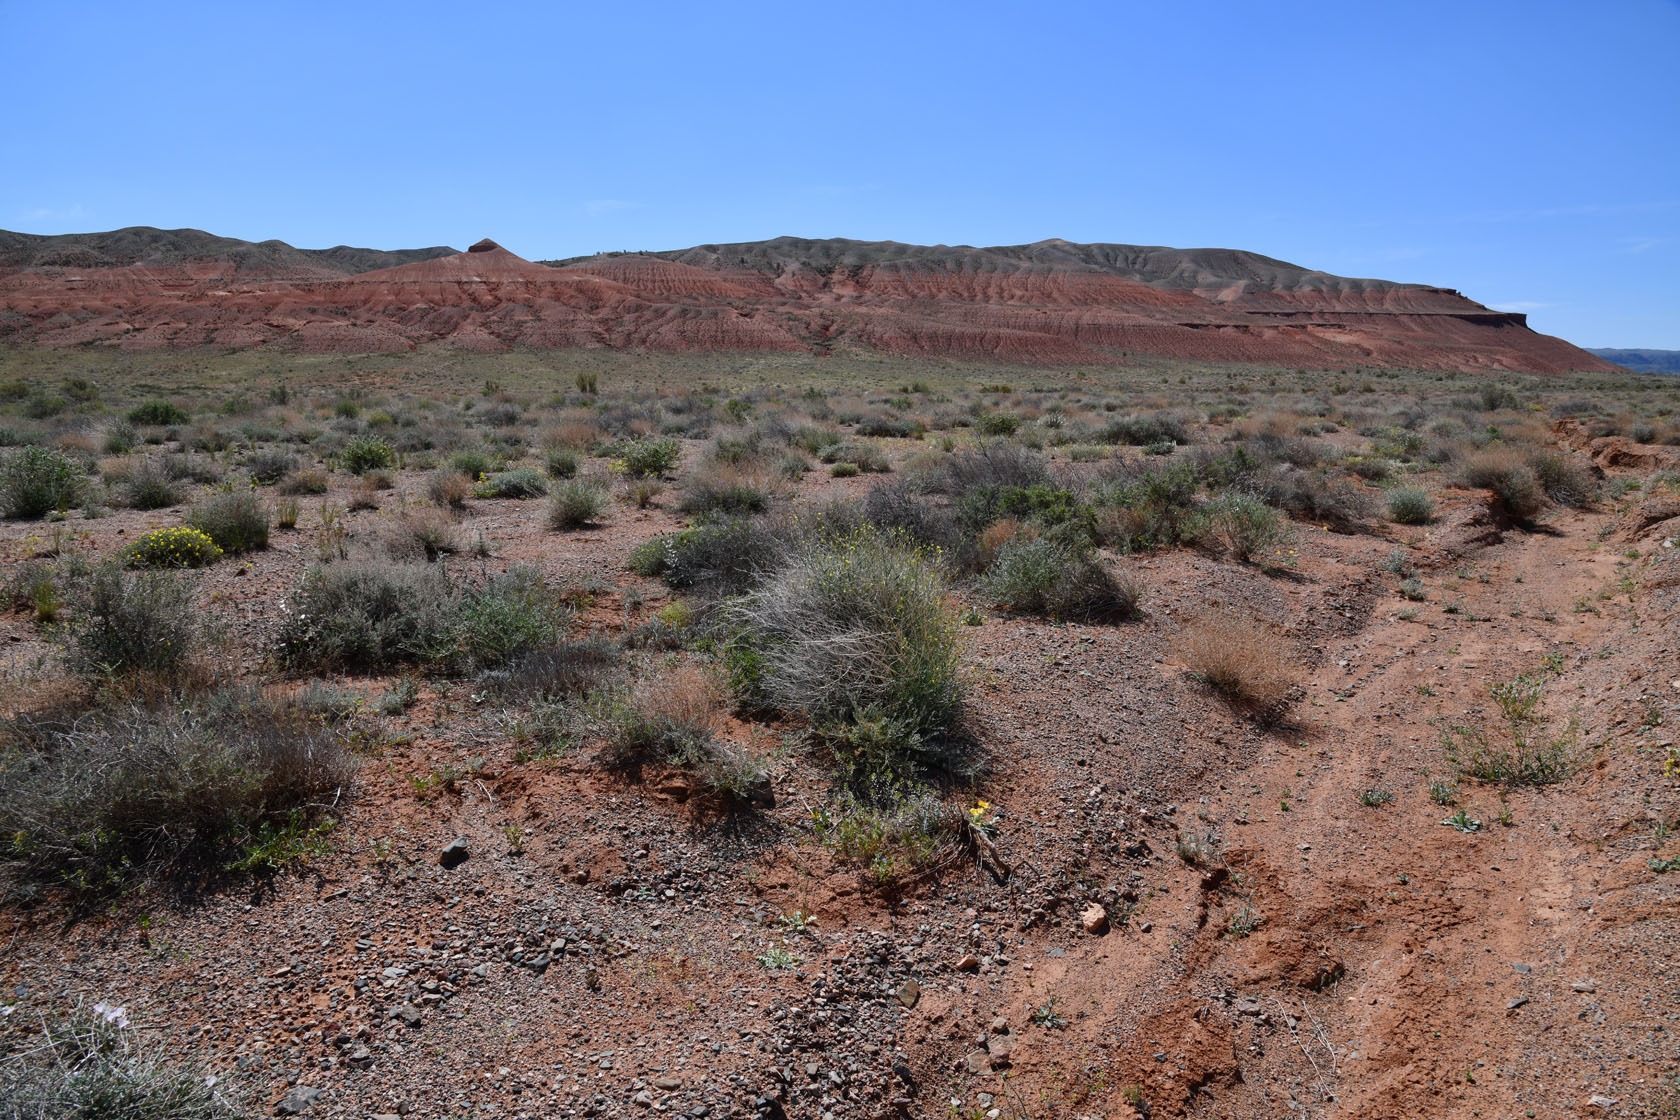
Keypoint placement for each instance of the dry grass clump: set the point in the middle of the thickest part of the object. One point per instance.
(1241, 657)
(1506, 472)
(675, 720)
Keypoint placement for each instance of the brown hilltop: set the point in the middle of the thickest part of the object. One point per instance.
(1051, 302)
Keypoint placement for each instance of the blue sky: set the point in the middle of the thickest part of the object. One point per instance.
(1527, 154)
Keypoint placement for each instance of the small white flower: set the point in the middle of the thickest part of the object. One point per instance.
(116, 1016)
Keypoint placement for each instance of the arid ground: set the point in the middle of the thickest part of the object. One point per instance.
(1219, 741)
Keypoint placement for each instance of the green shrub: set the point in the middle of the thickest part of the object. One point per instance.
(1037, 575)
(158, 413)
(576, 503)
(999, 424)
(675, 721)
(523, 483)
(308, 481)
(561, 462)
(366, 618)
(504, 618)
(723, 556)
(844, 470)
(236, 521)
(88, 803)
(1504, 472)
(149, 486)
(123, 623)
(1140, 431)
(179, 547)
(645, 457)
(365, 453)
(1410, 505)
(852, 627)
(120, 438)
(92, 1065)
(1566, 479)
(727, 489)
(36, 481)
(475, 462)
(1243, 525)
(269, 467)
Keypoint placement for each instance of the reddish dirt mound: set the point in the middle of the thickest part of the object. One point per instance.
(1052, 303)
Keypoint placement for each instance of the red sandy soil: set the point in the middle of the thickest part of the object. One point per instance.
(1396, 967)
(1051, 303)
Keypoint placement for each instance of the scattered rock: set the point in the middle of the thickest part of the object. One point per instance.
(408, 1015)
(1584, 986)
(968, 963)
(454, 853)
(667, 1083)
(978, 1061)
(299, 1099)
(999, 1047)
(1598, 1100)
(909, 992)
(1512, 1005)
(1095, 920)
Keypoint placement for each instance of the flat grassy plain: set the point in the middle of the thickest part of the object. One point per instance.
(562, 733)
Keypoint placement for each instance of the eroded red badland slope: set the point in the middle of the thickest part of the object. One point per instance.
(1052, 302)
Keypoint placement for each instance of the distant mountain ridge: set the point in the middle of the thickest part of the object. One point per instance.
(1051, 302)
(144, 245)
(1645, 361)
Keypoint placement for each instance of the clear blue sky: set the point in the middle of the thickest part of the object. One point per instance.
(1526, 153)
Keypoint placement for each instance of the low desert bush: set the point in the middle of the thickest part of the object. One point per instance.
(149, 486)
(366, 618)
(1521, 753)
(124, 623)
(561, 462)
(158, 414)
(851, 628)
(269, 467)
(1241, 657)
(556, 671)
(91, 801)
(1506, 473)
(728, 489)
(93, 1064)
(863, 456)
(576, 503)
(418, 534)
(306, 481)
(1314, 497)
(1243, 526)
(503, 618)
(36, 481)
(674, 720)
(1410, 505)
(1037, 575)
(1566, 479)
(236, 521)
(523, 483)
(639, 457)
(449, 487)
(1140, 431)
(365, 453)
(180, 547)
(718, 556)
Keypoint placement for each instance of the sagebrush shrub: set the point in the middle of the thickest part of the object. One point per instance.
(365, 453)
(850, 627)
(35, 481)
(1410, 505)
(87, 803)
(158, 413)
(126, 623)
(237, 521)
(1566, 479)
(1038, 575)
(523, 483)
(576, 503)
(1243, 525)
(149, 486)
(1506, 473)
(642, 457)
(366, 618)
